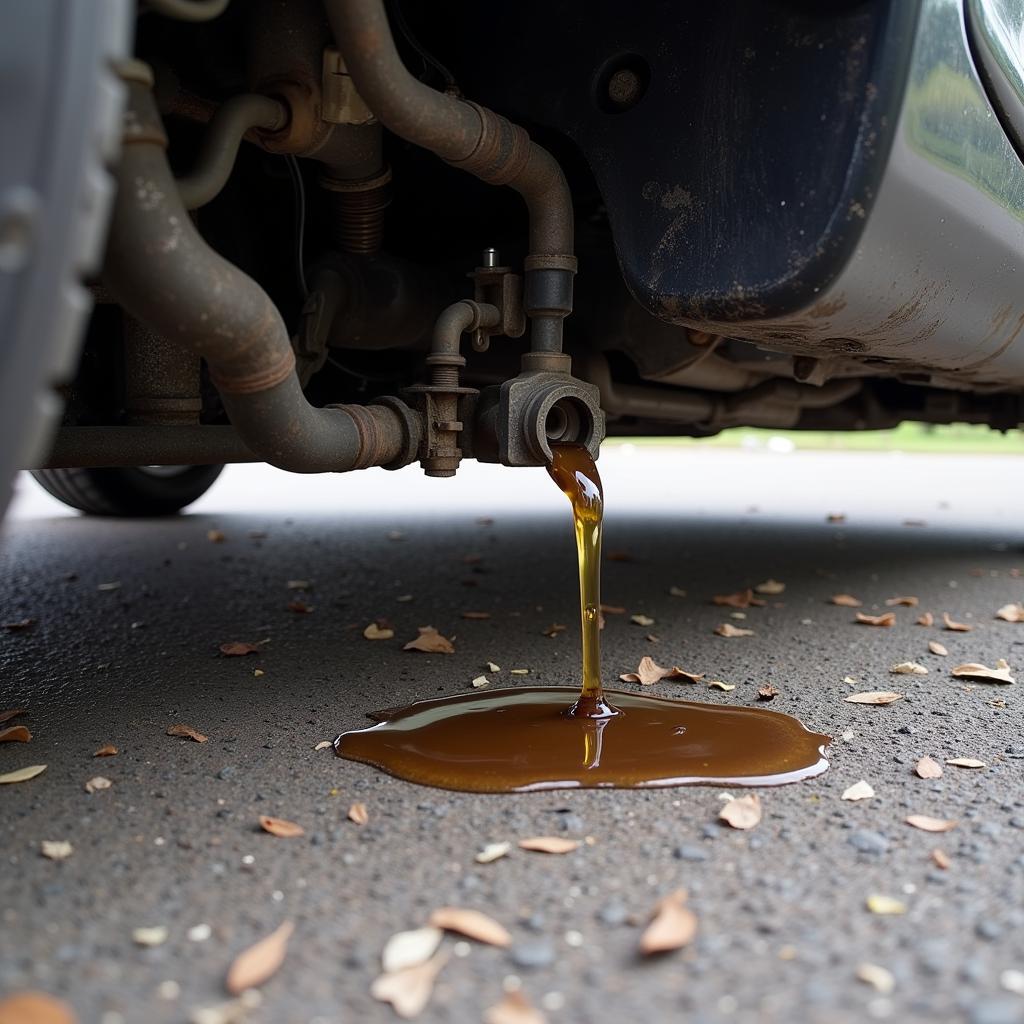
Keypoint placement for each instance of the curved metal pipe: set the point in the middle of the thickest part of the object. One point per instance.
(227, 128)
(161, 271)
(475, 139)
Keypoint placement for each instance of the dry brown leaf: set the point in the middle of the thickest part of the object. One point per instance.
(941, 859)
(771, 588)
(107, 750)
(323, 745)
(649, 671)
(906, 602)
(673, 925)
(215, 536)
(885, 905)
(260, 961)
(35, 1008)
(928, 824)
(186, 732)
(1011, 613)
(22, 774)
(928, 768)
(767, 692)
(742, 812)
(727, 629)
(955, 627)
(408, 991)
(492, 852)
(845, 601)
(862, 790)
(410, 949)
(927, 619)
(358, 813)
(514, 1008)
(430, 642)
(717, 684)
(965, 762)
(238, 649)
(641, 620)
(376, 632)
(15, 734)
(935, 647)
(741, 599)
(280, 827)
(885, 619)
(549, 844)
(974, 670)
(874, 697)
(6, 716)
(908, 668)
(56, 849)
(97, 783)
(472, 923)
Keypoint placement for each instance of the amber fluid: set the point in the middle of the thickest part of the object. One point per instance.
(513, 740)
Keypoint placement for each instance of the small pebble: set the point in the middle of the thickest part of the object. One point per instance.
(538, 953)
(867, 841)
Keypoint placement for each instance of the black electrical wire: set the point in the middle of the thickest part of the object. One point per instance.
(299, 192)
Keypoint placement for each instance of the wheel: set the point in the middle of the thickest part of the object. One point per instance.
(146, 491)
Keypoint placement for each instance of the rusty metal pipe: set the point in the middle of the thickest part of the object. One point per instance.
(163, 273)
(227, 128)
(477, 140)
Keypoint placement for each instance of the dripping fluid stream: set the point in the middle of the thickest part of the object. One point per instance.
(515, 740)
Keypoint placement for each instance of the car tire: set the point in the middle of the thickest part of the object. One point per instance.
(133, 493)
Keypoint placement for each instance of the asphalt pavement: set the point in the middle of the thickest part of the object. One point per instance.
(786, 929)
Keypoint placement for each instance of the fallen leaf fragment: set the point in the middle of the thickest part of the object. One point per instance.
(6, 716)
(56, 849)
(928, 768)
(845, 601)
(885, 905)
(965, 762)
(15, 734)
(673, 925)
(941, 859)
(742, 812)
(862, 790)
(741, 599)
(928, 824)
(727, 629)
(238, 649)
(906, 602)
(519, 671)
(885, 619)
(514, 1008)
(767, 692)
(280, 827)
(255, 965)
(358, 813)
(549, 844)
(23, 774)
(908, 668)
(925, 620)
(107, 750)
(410, 949)
(430, 642)
(97, 783)
(1011, 613)
(492, 852)
(154, 936)
(880, 979)
(408, 991)
(955, 627)
(770, 587)
(974, 670)
(479, 682)
(35, 1008)
(934, 647)
(874, 697)
(323, 745)
(376, 632)
(186, 732)
(649, 671)
(641, 620)
(717, 684)
(472, 923)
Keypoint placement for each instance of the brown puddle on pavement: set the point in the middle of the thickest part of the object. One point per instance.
(515, 740)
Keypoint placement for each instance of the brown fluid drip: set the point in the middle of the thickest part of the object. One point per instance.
(542, 738)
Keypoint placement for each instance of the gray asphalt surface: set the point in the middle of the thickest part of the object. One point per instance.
(784, 924)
